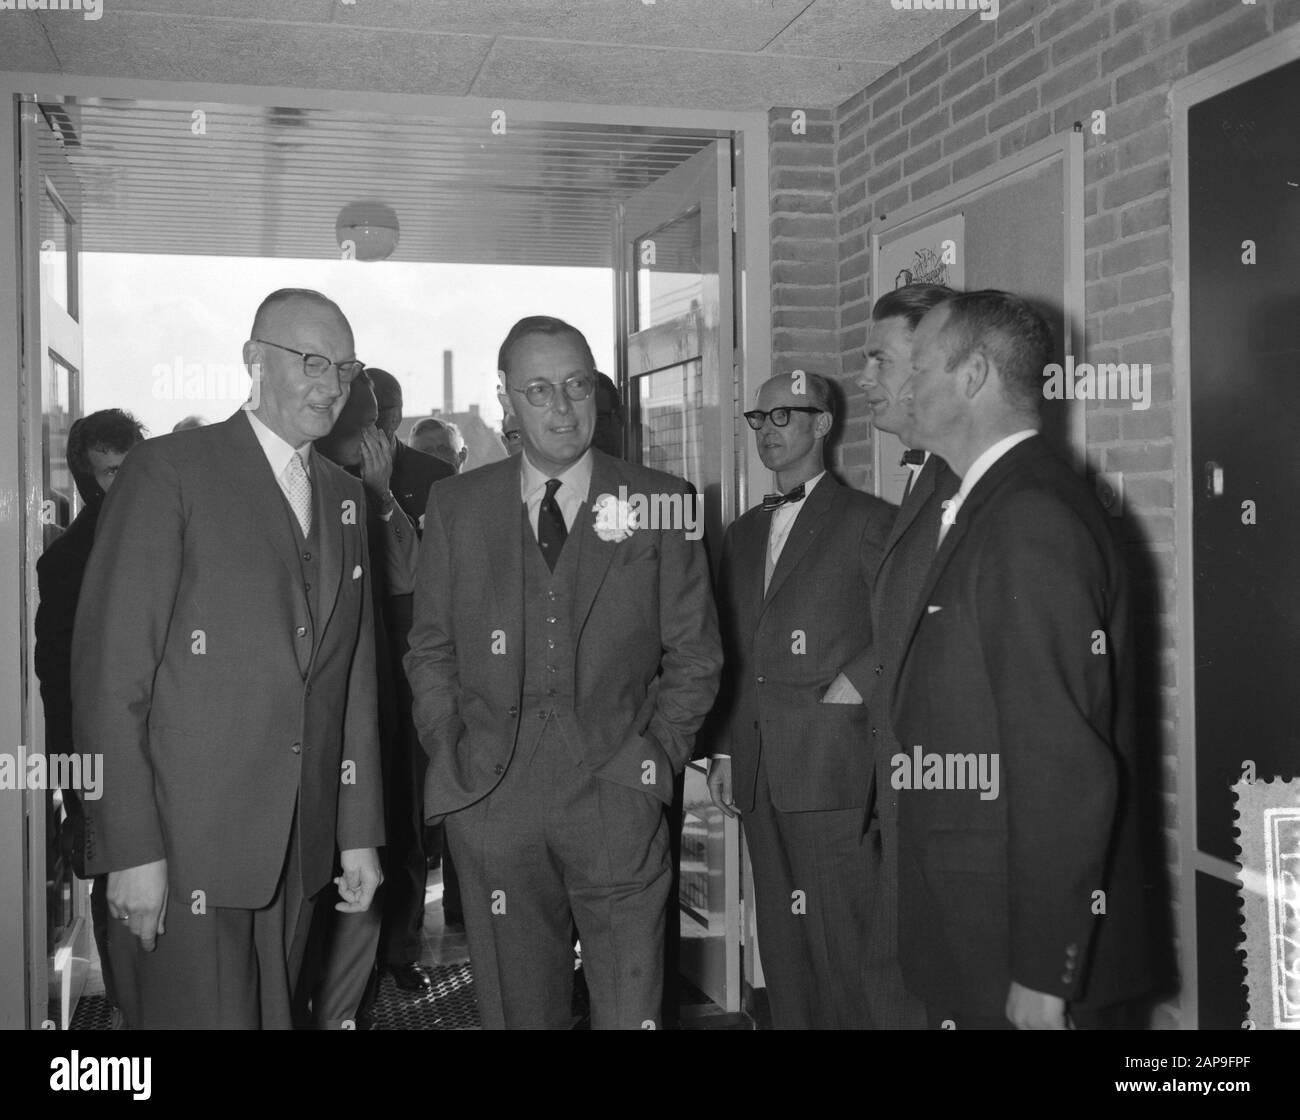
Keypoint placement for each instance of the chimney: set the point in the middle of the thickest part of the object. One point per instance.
(448, 385)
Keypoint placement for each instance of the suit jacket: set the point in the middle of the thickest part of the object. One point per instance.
(59, 573)
(219, 705)
(414, 473)
(646, 647)
(786, 647)
(1004, 657)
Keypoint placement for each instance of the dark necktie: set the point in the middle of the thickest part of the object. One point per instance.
(551, 533)
(912, 456)
(776, 501)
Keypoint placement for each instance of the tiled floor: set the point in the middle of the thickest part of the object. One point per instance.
(450, 1006)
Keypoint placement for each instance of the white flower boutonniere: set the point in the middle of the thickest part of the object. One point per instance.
(615, 520)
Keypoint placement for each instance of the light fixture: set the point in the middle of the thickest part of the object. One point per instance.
(366, 231)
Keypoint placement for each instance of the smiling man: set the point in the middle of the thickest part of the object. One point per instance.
(561, 663)
(224, 664)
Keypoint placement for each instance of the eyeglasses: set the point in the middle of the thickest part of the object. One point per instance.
(540, 393)
(780, 416)
(317, 365)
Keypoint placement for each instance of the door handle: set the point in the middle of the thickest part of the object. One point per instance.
(1213, 479)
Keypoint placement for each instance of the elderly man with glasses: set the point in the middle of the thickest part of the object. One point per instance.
(793, 757)
(224, 666)
(563, 657)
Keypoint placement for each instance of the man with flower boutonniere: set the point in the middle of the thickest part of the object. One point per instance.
(564, 653)
(793, 757)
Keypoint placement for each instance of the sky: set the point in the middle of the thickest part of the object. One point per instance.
(163, 334)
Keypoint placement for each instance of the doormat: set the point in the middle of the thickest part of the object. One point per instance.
(1268, 855)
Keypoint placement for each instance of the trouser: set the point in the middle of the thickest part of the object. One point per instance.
(225, 968)
(813, 908)
(101, 922)
(552, 845)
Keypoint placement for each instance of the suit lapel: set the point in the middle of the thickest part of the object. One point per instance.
(922, 488)
(594, 554)
(808, 523)
(503, 544)
(327, 509)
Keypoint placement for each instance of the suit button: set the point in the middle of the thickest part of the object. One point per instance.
(550, 595)
(309, 690)
(296, 748)
(512, 711)
(879, 669)
(550, 668)
(301, 631)
(552, 619)
(307, 557)
(498, 769)
(306, 586)
(1067, 977)
(762, 680)
(874, 733)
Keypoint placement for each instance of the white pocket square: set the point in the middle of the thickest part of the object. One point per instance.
(932, 609)
(356, 572)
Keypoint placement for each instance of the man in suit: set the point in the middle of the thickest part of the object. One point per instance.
(97, 446)
(413, 471)
(563, 656)
(903, 567)
(442, 440)
(1021, 884)
(224, 665)
(795, 587)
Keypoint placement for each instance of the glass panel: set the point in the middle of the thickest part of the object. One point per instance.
(669, 277)
(669, 420)
(56, 419)
(57, 271)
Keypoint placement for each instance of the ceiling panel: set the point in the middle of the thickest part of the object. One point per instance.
(272, 182)
(852, 29)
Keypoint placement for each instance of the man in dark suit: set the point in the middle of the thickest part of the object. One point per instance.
(223, 663)
(564, 654)
(795, 586)
(1021, 879)
(97, 446)
(903, 568)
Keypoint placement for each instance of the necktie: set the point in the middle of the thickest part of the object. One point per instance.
(298, 488)
(551, 531)
(776, 501)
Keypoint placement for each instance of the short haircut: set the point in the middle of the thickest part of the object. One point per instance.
(910, 302)
(388, 390)
(607, 384)
(282, 296)
(541, 324)
(110, 429)
(1008, 331)
(434, 424)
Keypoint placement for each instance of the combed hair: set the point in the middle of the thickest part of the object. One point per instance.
(1009, 332)
(287, 295)
(433, 423)
(910, 302)
(541, 324)
(110, 429)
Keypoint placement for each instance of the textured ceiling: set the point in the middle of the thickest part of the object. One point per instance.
(701, 54)
(271, 182)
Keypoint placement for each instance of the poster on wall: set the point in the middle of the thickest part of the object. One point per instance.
(934, 253)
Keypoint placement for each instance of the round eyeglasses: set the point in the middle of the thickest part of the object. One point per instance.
(540, 393)
(780, 416)
(317, 365)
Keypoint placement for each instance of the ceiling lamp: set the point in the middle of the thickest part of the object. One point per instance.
(366, 231)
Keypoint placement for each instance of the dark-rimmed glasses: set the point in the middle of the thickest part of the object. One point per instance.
(317, 365)
(780, 416)
(540, 393)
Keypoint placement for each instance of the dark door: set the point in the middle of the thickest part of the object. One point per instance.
(1244, 181)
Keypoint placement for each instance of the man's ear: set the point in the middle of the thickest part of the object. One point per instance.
(975, 373)
(822, 425)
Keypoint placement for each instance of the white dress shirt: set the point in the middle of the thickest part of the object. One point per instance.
(978, 470)
(278, 451)
(782, 522)
(571, 495)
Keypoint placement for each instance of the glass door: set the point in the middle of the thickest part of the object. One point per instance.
(676, 343)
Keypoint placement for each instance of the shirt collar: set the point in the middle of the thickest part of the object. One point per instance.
(278, 451)
(808, 487)
(985, 461)
(576, 477)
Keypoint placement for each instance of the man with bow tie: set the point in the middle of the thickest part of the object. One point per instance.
(906, 559)
(793, 758)
(562, 659)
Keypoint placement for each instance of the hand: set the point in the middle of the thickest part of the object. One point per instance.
(360, 879)
(376, 461)
(138, 896)
(1035, 1011)
(842, 691)
(720, 786)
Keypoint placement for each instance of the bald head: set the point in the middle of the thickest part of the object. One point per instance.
(289, 323)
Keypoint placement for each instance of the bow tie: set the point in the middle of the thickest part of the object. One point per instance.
(913, 456)
(776, 501)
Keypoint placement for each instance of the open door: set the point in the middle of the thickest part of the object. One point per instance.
(58, 911)
(676, 327)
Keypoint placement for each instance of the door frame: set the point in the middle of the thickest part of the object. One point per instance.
(19, 510)
(1187, 92)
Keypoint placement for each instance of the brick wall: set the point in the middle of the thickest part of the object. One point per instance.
(983, 91)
